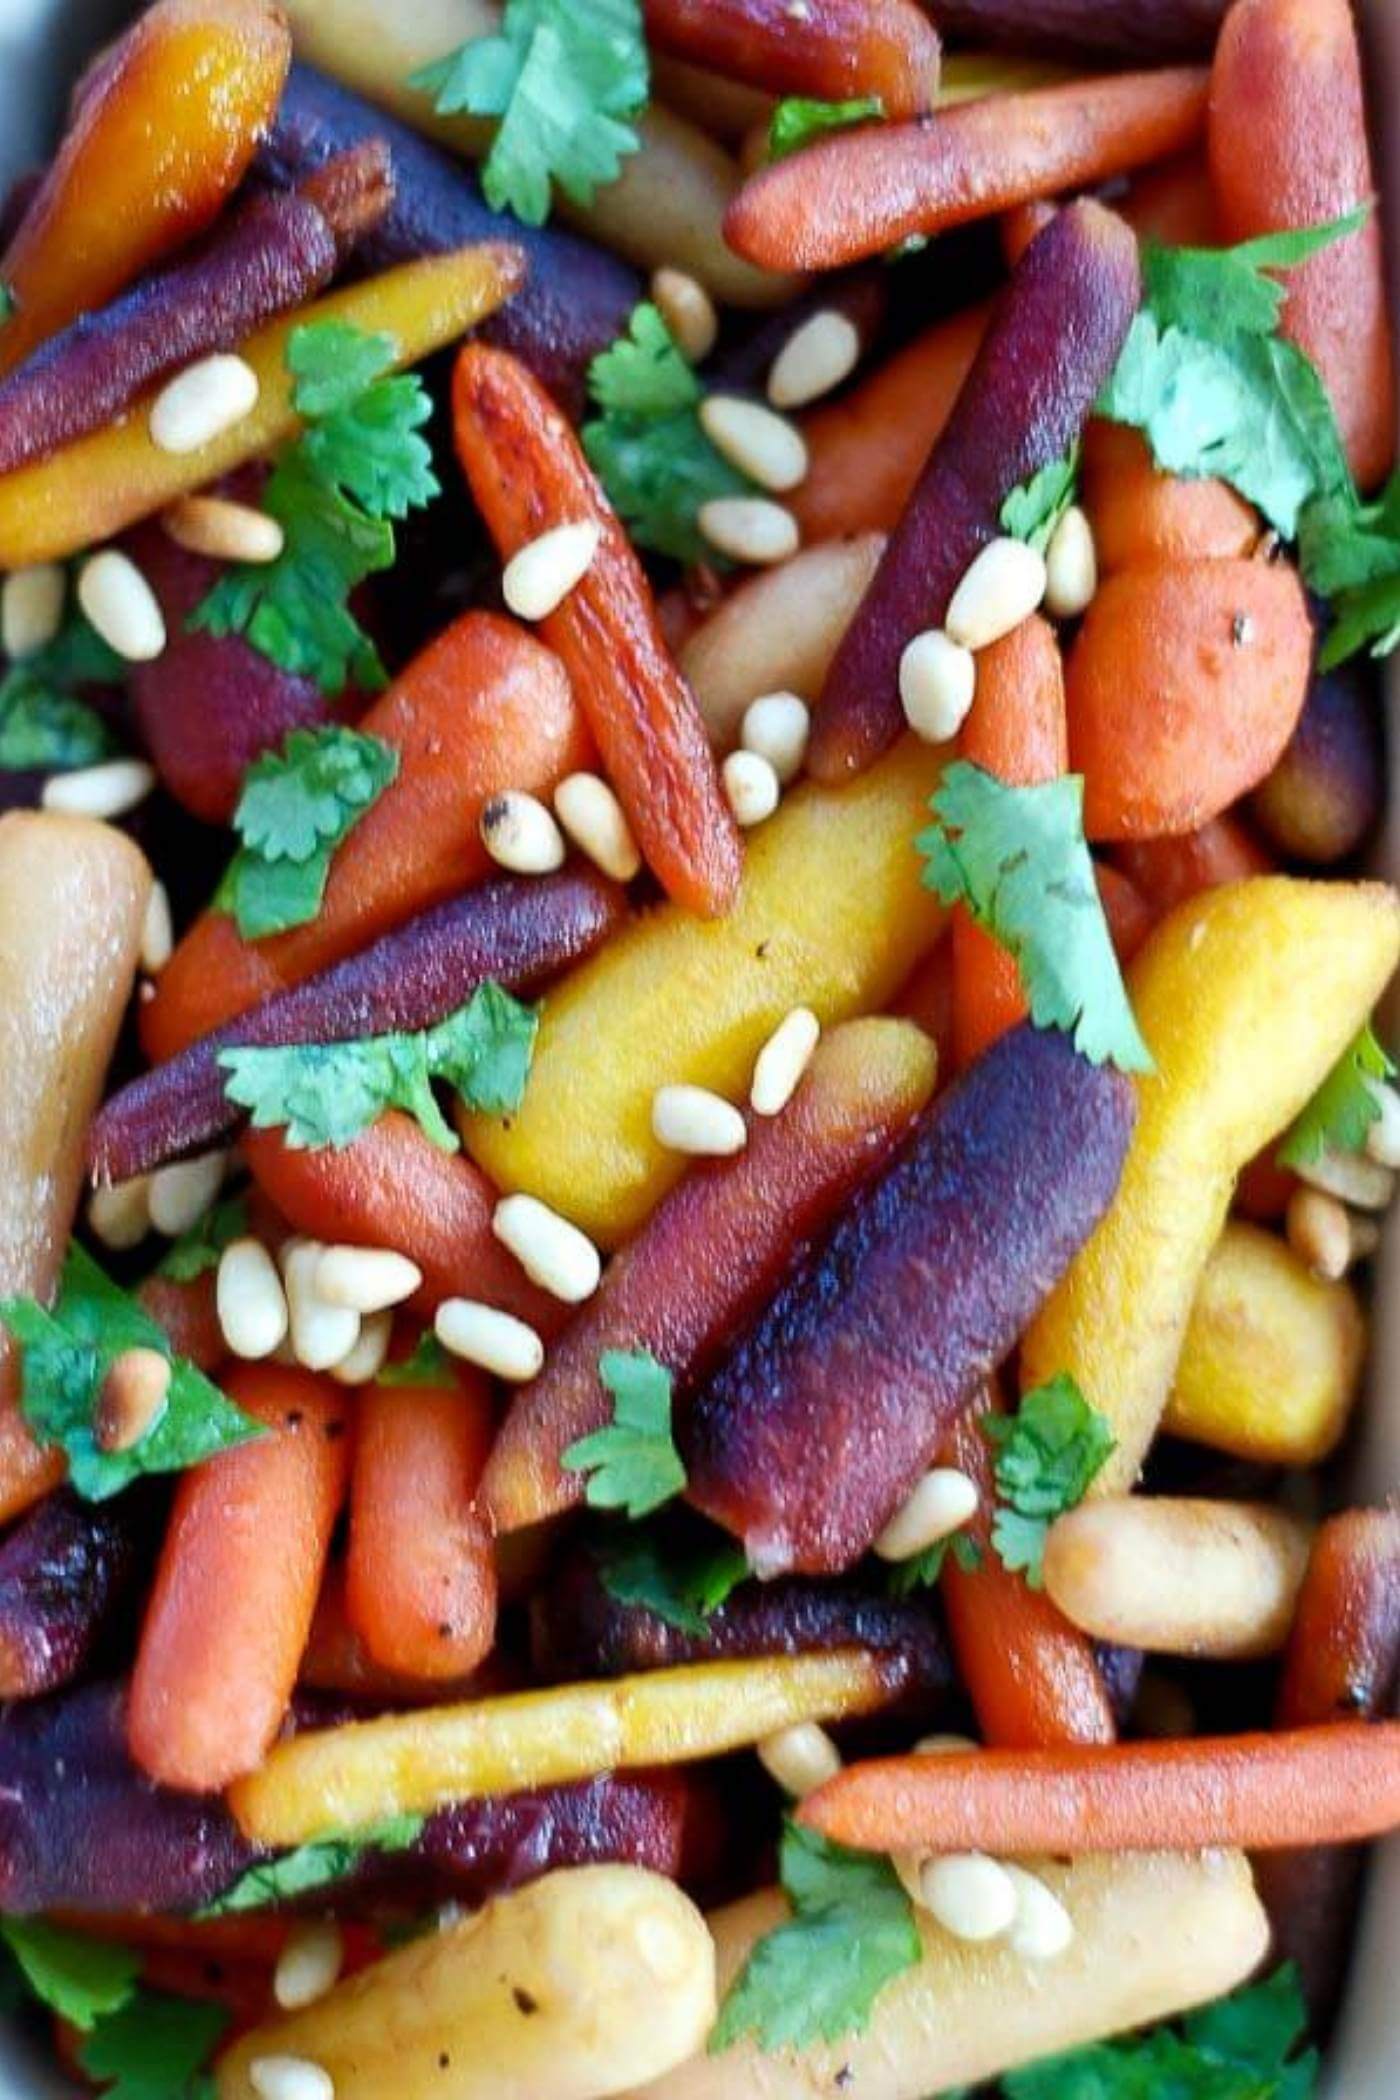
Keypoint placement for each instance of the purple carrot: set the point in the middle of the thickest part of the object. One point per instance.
(479, 1849)
(516, 931)
(65, 1570)
(860, 296)
(1043, 360)
(577, 297)
(1140, 31)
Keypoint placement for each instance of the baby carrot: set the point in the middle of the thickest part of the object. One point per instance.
(1139, 514)
(830, 49)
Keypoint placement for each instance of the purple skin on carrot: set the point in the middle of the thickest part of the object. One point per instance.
(479, 1849)
(66, 1569)
(842, 1393)
(1326, 793)
(1139, 31)
(861, 296)
(1045, 357)
(516, 932)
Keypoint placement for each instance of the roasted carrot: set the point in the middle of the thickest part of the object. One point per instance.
(236, 1586)
(187, 1312)
(1130, 917)
(1016, 730)
(1173, 204)
(1168, 871)
(529, 475)
(336, 1660)
(1288, 147)
(832, 49)
(1305, 1786)
(483, 708)
(860, 192)
(926, 996)
(420, 1573)
(1139, 514)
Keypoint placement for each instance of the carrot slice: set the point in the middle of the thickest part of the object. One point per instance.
(1140, 514)
(528, 475)
(830, 49)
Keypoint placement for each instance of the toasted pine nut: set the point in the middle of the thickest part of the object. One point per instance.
(1044, 1929)
(480, 1334)
(816, 357)
(133, 1398)
(308, 1964)
(250, 1300)
(552, 1252)
(202, 402)
(756, 440)
(692, 1119)
(945, 1745)
(1351, 1178)
(31, 609)
(120, 1216)
(223, 530)
(107, 790)
(520, 834)
(1002, 586)
(290, 2078)
(321, 1335)
(1071, 566)
(157, 931)
(122, 606)
(942, 1503)
(370, 1353)
(1383, 1137)
(777, 726)
(366, 1279)
(751, 788)
(749, 528)
(780, 1064)
(596, 822)
(800, 1758)
(539, 576)
(183, 1191)
(688, 311)
(971, 1896)
(1322, 1232)
(937, 682)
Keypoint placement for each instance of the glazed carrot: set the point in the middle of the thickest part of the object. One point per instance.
(237, 1583)
(1016, 730)
(832, 49)
(860, 192)
(1184, 685)
(926, 996)
(189, 1316)
(124, 190)
(1306, 1786)
(1168, 871)
(1139, 514)
(528, 474)
(1031, 1676)
(483, 708)
(866, 450)
(335, 1659)
(1130, 917)
(1288, 147)
(420, 1574)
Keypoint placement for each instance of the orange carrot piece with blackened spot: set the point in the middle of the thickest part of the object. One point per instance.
(528, 475)
(1167, 871)
(1140, 515)
(862, 192)
(1306, 1786)
(237, 1583)
(832, 50)
(1289, 147)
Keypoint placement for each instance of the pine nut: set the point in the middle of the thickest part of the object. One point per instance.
(597, 823)
(321, 1335)
(1383, 1137)
(1351, 1178)
(780, 1064)
(1071, 566)
(688, 311)
(104, 791)
(157, 931)
(308, 1965)
(289, 2078)
(800, 1758)
(31, 609)
(250, 1301)
(122, 606)
(370, 1353)
(941, 1504)
(692, 1119)
(751, 788)
(777, 726)
(1323, 1233)
(552, 1252)
(183, 1191)
(520, 834)
(937, 682)
(202, 402)
(1002, 586)
(539, 577)
(1044, 1929)
(749, 528)
(815, 358)
(946, 1745)
(132, 1400)
(366, 1279)
(495, 1340)
(971, 1896)
(120, 1215)
(224, 531)
(756, 440)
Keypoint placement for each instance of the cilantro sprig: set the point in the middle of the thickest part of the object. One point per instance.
(682, 1579)
(313, 1866)
(44, 724)
(427, 1365)
(1047, 1455)
(1034, 508)
(199, 1247)
(632, 1463)
(297, 806)
(799, 120)
(922, 1571)
(1344, 1107)
(80, 1979)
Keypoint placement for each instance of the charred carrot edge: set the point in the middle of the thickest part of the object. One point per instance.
(830, 49)
(1306, 1786)
(528, 475)
(1344, 1649)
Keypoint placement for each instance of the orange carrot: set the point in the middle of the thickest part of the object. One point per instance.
(1016, 730)
(1174, 204)
(189, 1316)
(926, 996)
(866, 450)
(420, 1574)
(830, 49)
(336, 1660)
(1308, 1786)
(1288, 147)
(1345, 1644)
(1130, 917)
(1185, 684)
(1140, 514)
(236, 1585)
(528, 475)
(860, 192)
(484, 707)
(1168, 871)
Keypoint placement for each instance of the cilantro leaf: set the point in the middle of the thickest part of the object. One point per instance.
(155, 2048)
(681, 1580)
(1035, 507)
(297, 805)
(9, 305)
(1047, 1454)
(67, 1354)
(197, 1250)
(78, 1978)
(326, 1093)
(633, 1463)
(1343, 1108)
(1016, 857)
(816, 1977)
(43, 723)
(800, 119)
(312, 1866)
(1350, 553)
(923, 1570)
(428, 1364)
(643, 373)
(1218, 291)
(566, 83)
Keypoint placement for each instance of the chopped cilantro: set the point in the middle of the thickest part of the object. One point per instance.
(313, 1866)
(1035, 507)
(816, 1977)
(324, 1094)
(9, 305)
(67, 1354)
(1047, 1454)
(682, 1580)
(43, 723)
(428, 1364)
(798, 120)
(1350, 553)
(80, 1979)
(633, 1463)
(567, 83)
(297, 805)
(1343, 1108)
(197, 1251)
(923, 1570)
(155, 2048)
(1016, 857)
